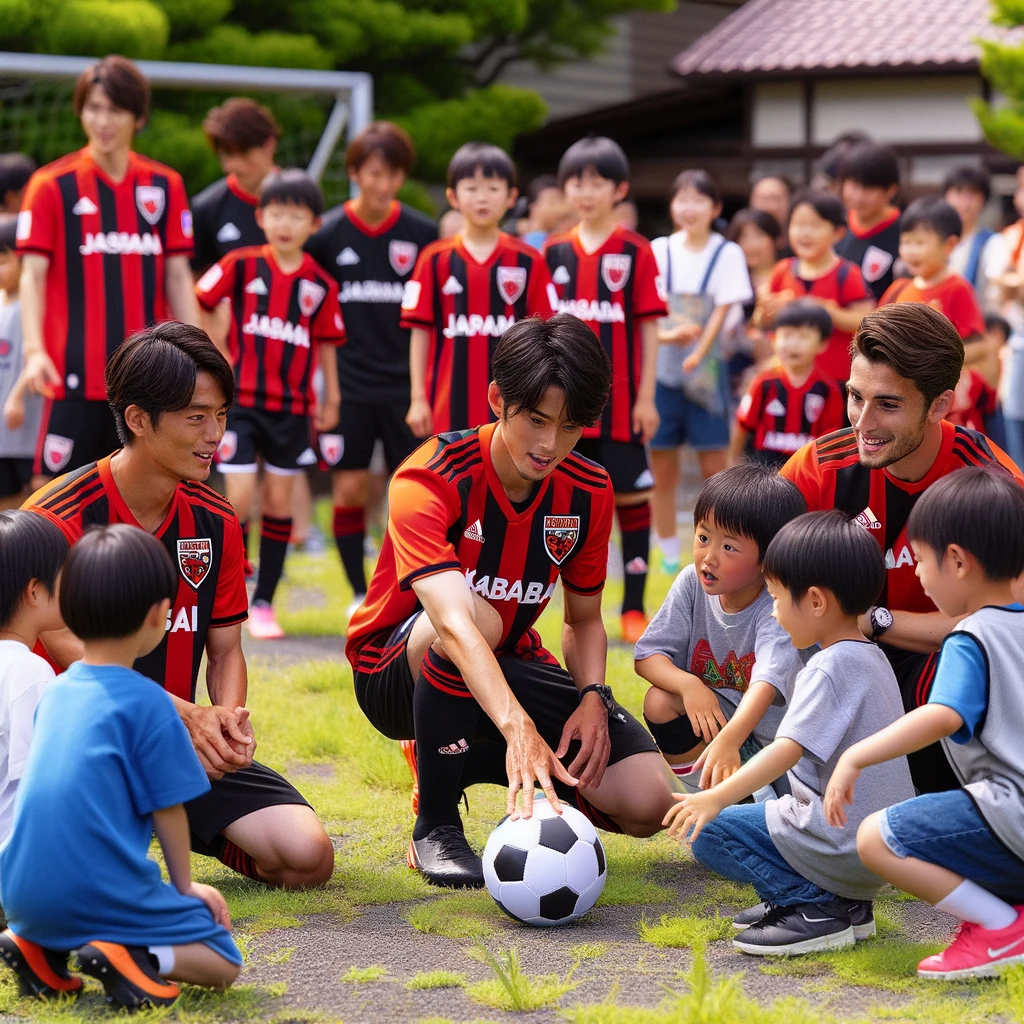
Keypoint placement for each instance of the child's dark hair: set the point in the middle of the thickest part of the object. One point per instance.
(749, 500)
(871, 165)
(972, 179)
(824, 204)
(932, 213)
(831, 551)
(700, 181)
(535, 354)
(980, 509)
(802, 313)
(830, 163)
(8, 232)
(386, 140)
(112, 578)
(292, 185)
(15, 170)
(760, 219)
(31, 548)
(598, 153)
(490, 160)
(993, 322)
(541, 184)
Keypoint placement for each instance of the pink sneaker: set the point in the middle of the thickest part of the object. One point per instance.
(977, 952)
(262, 624)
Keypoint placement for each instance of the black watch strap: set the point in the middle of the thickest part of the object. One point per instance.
(604, 692)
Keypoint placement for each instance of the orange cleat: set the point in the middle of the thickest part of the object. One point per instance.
(41, 972)
(127, 975)
(409, 753)
(633, 625)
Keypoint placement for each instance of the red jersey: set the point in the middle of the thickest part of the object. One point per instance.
(107, 243)
(613, 290)
(204, 540)
(829, 475)
(783, 418)
(975, 400)
(953, 297)
(448, 511)
(276, 320)
(467, 306)
(844, 285)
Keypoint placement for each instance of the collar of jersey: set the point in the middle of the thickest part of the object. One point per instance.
(124, 513)
(486, 434)
(267, 252)
(577, 244)
(891, 216)
(102, 174)
(385, 225)
(496, 252)
(937, 469)
(236, 190)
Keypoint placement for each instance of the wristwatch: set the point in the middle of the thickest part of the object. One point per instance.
(604, 692)
(881, 620)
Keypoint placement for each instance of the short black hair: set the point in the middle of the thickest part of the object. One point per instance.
(994, 322)
(749, 500)
(700, 181)
(831, 551)
(112, 578)
(490, 160)
(292, 185)
(980, 509)
(599, 153)
(15, 170)
(804, 313)
(541, 184)
(974, 179)
(31, 548)
(871, 165)
(830, 163)
(8, 232)
(934, 214)
(535, 354)
(824, 204)
(156, 370)
(760, 219)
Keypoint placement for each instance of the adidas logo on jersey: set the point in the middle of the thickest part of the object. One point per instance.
(560, 276)
(371, 291)
(463, 326)
(868, 519)
(256, 287)
(84, 207)
(775, 408)
(603, 312)
(121, 243)
(276, 329)
(474, 531)
(452, 287)
(228, 233)
(497, 588)
(348, 257)
(307, 458)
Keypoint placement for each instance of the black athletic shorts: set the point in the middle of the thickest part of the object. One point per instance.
(234, 796)
(283, 439)
(361, 425)
(72, 434)
(626, 463)
(15, 475)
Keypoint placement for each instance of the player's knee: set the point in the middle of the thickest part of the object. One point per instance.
(647, 810)
(660, 705)
(870, 845)
(227, 975)
(311, 861)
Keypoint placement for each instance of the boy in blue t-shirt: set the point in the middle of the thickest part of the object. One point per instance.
(961, 850)
(111, 762)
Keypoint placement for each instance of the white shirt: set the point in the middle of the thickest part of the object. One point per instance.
(729, 282)
(992, 264)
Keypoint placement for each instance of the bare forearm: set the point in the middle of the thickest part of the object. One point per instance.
(916, 730)
(62, 646)
(418, 346)
(585, 651)
(975, 350)
(329, 366)
(181, 294)
(172, 832)
(32, 296)
(921, 632)
(849, 319)
(711, 329)
(649, 333)
(226, 677)
(738, 443)
(659, 671)
(761, 770)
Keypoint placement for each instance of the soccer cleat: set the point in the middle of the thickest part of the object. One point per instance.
(977, 952)
(862, 916)
(262, 622)
(445, 858)
(633, 625)
(42, 973)
(804, 928)
(669, 566)
(127, 975)
(408, 748)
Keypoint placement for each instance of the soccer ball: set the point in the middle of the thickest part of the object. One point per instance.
(545, 870)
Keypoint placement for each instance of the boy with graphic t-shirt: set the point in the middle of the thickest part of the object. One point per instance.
(607, 276)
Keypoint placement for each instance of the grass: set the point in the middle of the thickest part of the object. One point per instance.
(435, 979)
(359, 975)
(462, 915)
(512, 988)
(685, 932)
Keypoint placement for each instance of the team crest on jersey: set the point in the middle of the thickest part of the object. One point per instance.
(402, 256)
(511, 282)
(228, 446)
(875, 263)
(332, 447)
(150, 199)
(560, 536)
(615, 268)
(813, 405)
(57, 452)
(195, 559)
(311, 295)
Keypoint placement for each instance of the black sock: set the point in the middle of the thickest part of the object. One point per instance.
(635, 525)
(446, 716)
(349, 535)
(274, 536)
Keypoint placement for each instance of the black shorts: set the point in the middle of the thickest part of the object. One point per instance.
(234, 796)
(15, 475)
(72, 434)
(282, 439)
(359, 428)
(626, 463)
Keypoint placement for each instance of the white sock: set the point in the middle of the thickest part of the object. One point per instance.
(671, 547)
(970, 902)
(164, 959)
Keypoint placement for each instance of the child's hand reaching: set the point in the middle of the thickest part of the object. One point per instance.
(692, 811)
(840, 791)
(213, 900)
(720, 760)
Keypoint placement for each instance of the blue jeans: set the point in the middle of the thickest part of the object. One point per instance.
(737, 845)
(1014, 439)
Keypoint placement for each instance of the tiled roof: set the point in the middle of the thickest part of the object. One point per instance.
(777, 37)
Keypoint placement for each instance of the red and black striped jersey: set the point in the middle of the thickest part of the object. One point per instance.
(448, 511)
(224, 218)
(467, 306)
(782, 418)
(203, 538)
(107, 243)
(613, 290)
(829, 475)
(276, 319)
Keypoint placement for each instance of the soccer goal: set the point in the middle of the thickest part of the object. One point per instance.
(36, 115)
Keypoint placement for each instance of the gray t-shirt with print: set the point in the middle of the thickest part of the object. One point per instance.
(20, 443)
(846, 693)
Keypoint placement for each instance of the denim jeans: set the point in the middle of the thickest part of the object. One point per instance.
(737, 845)
(1014, 439)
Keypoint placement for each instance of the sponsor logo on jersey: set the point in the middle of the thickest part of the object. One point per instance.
(311, 295)
(875, 264)
(228, 446)
(402, 256)
(186, 223)
(775, 408)
(195, 559)
(452, 287)
(497, 588)
(372, 291)
(896, 560)
(307, 458)
(471, 326)
(615, 268)
(560, 276)
(256, 287)
(210, 278)
(84, 207)
(228, 233)
(560, 536)
(459, 747)
(474, 531)
(348, 257)
(332, 447)
(411, 294)
(57, 452)
(121, 243)
(150, 199)
(182, 622)
(511, 282)
(785, 441)
(813, 406)
(24, 228)
(868, 519)
(276, 329)
(603, 312)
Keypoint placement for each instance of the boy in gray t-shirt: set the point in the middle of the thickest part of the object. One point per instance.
(721, 668)
(823, 571)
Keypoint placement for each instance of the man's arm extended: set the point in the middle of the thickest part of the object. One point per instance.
(180, 290)
(920, 632)
(39, 370)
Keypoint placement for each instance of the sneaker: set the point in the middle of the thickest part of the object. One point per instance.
(804, 928)
(262, 623)
(633, 625)
(446, 858)
(127, 975)
(861, 912)
(669, 566)
(353, 605)
(977, 952)
(41, 972)
(408, 748)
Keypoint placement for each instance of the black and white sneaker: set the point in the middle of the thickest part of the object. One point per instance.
(445, 857)
(804, 928)
(862, 916)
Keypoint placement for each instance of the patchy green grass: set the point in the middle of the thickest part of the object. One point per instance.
(685, 932)
(512, 988)
(280, 956)
(461, 915)
(358, 975)
(436, 979)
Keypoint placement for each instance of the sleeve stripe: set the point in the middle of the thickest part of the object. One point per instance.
(428, 570)
(230, 620)
(583, 591)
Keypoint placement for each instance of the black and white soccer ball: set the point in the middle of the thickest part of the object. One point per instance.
(547, 869)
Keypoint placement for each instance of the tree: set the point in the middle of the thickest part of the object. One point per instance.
(1003, 66)
(435, 62)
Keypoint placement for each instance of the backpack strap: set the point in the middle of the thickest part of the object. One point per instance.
(981, 237)
(711, 266)
(842, 273)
